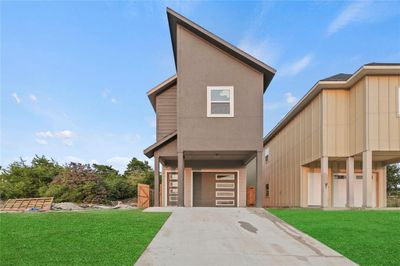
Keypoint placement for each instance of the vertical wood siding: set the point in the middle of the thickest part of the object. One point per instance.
(297, 144)
(383, 121)
(166, 112)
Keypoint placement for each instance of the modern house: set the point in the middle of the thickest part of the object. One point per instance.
(330, 150)
(209, 120)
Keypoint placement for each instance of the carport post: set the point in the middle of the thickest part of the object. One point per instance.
(156, 181)
(260, 184)
(367, 178)
(181, 168)
(324, 181)
(350, 182)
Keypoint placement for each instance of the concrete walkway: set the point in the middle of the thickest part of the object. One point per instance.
(233, 236)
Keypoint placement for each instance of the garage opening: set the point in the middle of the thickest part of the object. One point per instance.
(215, 189)
(314, 189)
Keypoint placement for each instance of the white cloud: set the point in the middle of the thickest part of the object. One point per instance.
(32, 97)
(16, 98)
(263, 50)
(297, 66)
(41, 141)
(67, 142)
(119, 162)
(44, 134)
(106, 94)
(65, 134)
(290, 99)
(353, 12)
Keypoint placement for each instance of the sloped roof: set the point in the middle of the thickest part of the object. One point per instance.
(338, 77)
(174, 18)
(334, 82)
(149, 151)
(166, 84)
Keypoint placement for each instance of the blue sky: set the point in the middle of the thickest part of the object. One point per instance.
(74, 75)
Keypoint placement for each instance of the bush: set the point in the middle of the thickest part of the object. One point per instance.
(78, 183)
(73, 182)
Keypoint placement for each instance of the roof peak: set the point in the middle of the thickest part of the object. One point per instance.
(174, 18)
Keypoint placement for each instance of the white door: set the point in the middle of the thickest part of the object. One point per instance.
(314, 189)
(339, 191)
(358, 191)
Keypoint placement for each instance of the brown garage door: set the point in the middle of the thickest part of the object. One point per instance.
(214, 189)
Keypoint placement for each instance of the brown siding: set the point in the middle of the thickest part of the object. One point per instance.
(297, 144)
(382, 121)
(200, 65)
(166, 112)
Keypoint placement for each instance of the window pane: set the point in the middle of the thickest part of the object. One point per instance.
(220, 95)
(220, 108)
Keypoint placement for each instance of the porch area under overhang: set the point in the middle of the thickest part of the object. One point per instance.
(185, 163)
(357, 181)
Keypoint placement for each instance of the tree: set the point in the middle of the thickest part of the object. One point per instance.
(393, 178)
(118, 186)
(137, 167)
(139, 172)
(78, 183)
(22, 180)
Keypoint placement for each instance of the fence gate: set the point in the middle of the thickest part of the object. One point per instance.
(143, 196)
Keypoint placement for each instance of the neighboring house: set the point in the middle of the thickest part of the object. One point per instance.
(209, 120)
(332, 148)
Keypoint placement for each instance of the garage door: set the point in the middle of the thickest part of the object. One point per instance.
(214, 189)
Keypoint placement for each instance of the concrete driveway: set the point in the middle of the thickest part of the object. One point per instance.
(233, 236)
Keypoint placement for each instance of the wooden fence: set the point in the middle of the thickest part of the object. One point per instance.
(143, 196)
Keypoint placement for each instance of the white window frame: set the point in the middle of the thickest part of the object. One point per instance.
(225, 185)
(225, 202)
(231, 101)
(225, 177)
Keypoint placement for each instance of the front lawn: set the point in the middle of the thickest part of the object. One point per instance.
(366, 237)
(112, 237)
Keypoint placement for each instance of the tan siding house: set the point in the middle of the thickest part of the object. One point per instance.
(332, 149)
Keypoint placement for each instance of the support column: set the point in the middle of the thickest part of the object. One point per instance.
(383, 181)
(260, 193)
(156, 181)
(324, 181)
(350, 182)
(367, 179)
(181, 168)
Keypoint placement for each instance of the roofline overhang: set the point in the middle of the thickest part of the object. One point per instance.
(389, 69)
(175, 18)
(149, 151)
(163, 86)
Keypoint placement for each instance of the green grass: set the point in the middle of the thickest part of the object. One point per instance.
(366, 237)
(112, 237)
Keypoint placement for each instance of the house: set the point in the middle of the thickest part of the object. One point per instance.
(332, 148)
(209, 120)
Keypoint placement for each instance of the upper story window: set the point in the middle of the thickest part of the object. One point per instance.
(220, 101)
